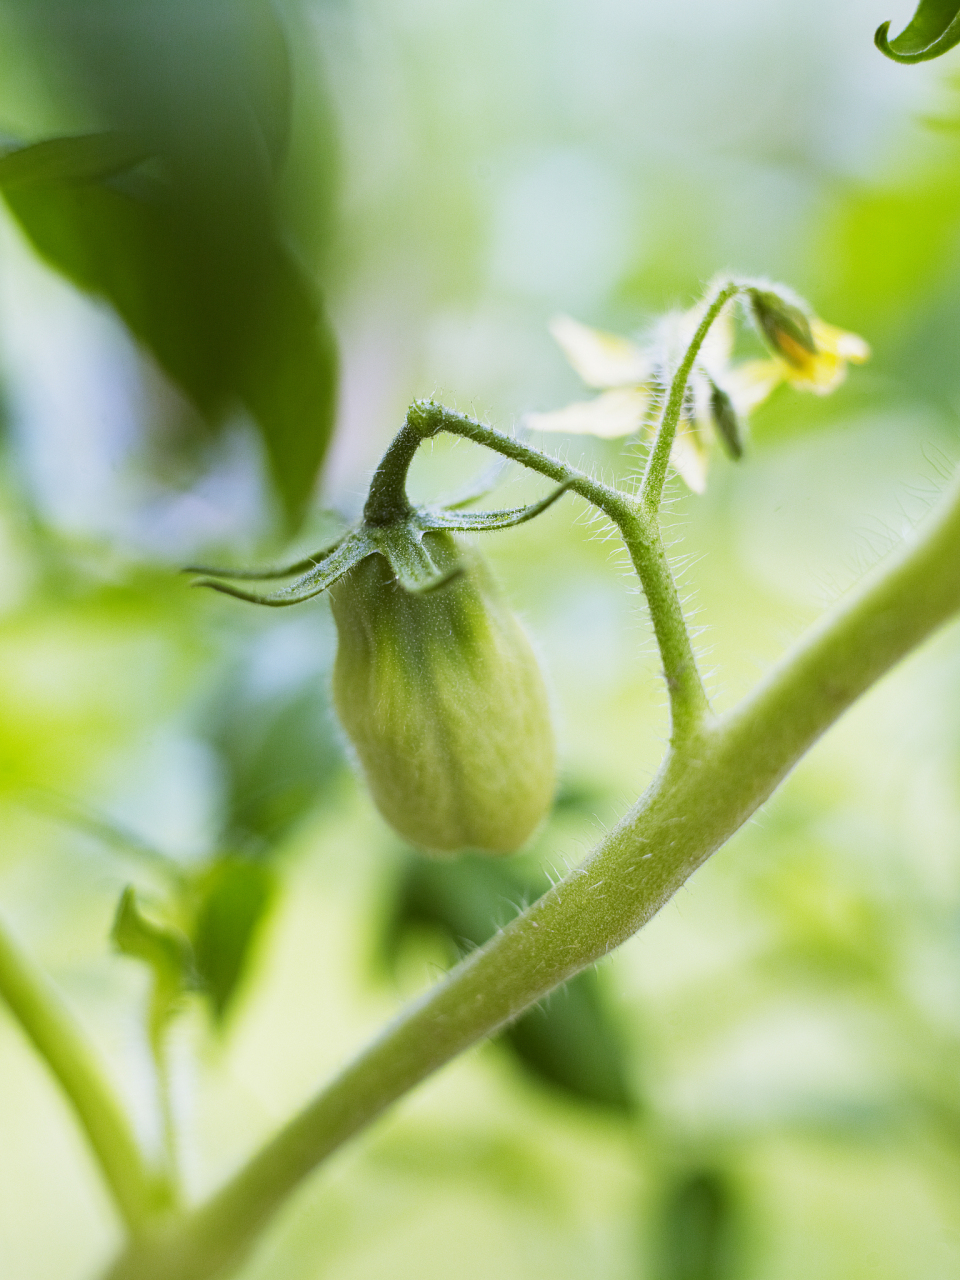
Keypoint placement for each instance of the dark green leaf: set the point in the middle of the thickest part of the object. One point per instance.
(695, 1229)
(571, 1041)
(279, 754)
(217, 297)
(933, 29)
(235, 896)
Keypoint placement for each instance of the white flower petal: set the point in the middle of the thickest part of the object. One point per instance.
(839, 342)
(601, 359)
(688, 456)
(752, 382)
(615, 413)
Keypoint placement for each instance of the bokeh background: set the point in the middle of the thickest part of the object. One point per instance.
(765, 1084)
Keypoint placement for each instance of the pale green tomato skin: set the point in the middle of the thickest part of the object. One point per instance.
(444, 702)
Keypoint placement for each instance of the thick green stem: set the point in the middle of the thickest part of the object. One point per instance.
(655, 472)
(32, 1000)
(387, 500)
(641, 534)
(700, 797)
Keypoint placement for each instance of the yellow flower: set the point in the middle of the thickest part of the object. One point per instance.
(629, 379)
(822, 370)
(808, 353)
(813, 355)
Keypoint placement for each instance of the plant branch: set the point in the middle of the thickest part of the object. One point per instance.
(32, 999)
(641, 535)
(655, 472)
(699, 798)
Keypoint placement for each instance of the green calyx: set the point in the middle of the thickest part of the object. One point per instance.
(435, 682)
(391, 527)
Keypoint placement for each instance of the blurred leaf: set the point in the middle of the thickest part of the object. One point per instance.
(279, 754)
(468, 899)
(85, 158)
(570, 1041)
(166, 950)
(694, 1230)
(219, 300)
(933, 29)
(235, 896)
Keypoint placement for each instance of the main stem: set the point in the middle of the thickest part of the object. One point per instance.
(138, 1193)
(702, 794)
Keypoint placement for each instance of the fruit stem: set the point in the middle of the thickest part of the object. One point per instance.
(641, 534)
(387, 501)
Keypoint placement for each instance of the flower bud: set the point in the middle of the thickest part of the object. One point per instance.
(785, 326)
(725, 419)
(441, 695)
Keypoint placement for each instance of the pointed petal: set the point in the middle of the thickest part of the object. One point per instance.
(310, 584)
(613, 414)
(752, 382)
(689, 457)
(601, 359)
(487, 521)
(726, 421)
(820, 374)
(839, 342)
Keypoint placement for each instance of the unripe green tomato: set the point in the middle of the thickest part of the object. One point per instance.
(443, 699)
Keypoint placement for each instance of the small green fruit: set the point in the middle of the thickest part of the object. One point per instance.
(442, 697)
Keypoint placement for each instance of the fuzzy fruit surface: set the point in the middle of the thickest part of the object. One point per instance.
(443, 699)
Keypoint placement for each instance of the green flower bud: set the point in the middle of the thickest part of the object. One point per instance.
(444, 702)
(784, 325)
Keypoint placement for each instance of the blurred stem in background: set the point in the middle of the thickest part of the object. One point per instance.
(139, 1192)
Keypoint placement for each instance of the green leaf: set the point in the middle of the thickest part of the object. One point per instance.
(166, 950)
(695, 1236)
(933, 29)
(83, 158)
(279, 754)
(570, 1042)
(216, 295)
(236, 895)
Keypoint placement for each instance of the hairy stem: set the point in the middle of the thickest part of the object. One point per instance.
(655, 472)
(641, 534)
(387, 500)
(699, 798)
(137, 1192)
